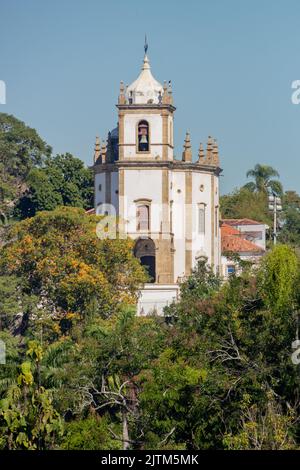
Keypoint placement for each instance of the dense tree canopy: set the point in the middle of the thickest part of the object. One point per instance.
(217, 374)
(21, 149)
(84, 372)
(57, 257)
(63, 180)
(32, 179)
(290, 219)
(243, 203)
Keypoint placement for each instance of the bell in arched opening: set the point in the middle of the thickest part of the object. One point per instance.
(143, 136)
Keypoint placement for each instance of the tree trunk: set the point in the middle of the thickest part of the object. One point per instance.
(125, 435)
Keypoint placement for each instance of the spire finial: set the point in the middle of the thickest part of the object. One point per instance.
(146, 64)
(187, 152)
(122, 99)
(201, 156)
(215, 153)
(97, 150)
(209, 149)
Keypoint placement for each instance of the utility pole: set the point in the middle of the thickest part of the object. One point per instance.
(274, 206)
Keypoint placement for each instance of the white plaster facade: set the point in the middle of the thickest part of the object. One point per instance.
(177, 193)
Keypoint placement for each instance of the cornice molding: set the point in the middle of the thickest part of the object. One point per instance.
(147, 107)
(171, 165)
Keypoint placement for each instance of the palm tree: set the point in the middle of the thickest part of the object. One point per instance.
(262, 175)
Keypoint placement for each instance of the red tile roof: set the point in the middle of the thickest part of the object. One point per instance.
(239, 245)
(233, 240)
(228, 230)
(236, 222)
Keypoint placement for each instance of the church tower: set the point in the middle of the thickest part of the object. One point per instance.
(170, 207)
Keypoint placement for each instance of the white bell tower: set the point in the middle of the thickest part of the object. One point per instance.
(169, 206)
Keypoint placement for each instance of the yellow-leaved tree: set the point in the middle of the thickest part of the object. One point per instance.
(57, 257)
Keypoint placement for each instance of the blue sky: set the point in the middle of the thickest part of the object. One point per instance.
(231, 63)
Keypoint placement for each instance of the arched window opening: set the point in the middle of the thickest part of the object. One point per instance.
(145, 251)
(143, 217)
(143, 136)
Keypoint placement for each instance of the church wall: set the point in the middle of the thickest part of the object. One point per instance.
(143, 184)
(115, 190)
(170, 138)
(178, 184)
(201, 242)
(218, 235)
(99, 194)
(108, 194)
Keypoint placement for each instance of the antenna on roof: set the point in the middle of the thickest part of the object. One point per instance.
(146, 44)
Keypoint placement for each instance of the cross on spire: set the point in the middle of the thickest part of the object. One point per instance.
(146, 45)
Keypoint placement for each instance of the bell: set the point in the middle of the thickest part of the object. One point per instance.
(144, 139)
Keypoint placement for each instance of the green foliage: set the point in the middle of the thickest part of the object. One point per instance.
(63, 180)
(278, 278)
(263, 429)
(200, 285)
(20, 146)
(21, 149)
(219, 376)
(241, 336)
(169, 392)
(290, 219)
(243, 203)
(57, 256)
(262, 175)
(13, 356)
(32, 180)
(27, 417)
(9, 302)
(216, 374)
(89, 434)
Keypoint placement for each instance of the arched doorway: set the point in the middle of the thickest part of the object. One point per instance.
(144, 250)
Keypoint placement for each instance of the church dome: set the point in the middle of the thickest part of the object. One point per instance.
(115, 133)
(145, 89)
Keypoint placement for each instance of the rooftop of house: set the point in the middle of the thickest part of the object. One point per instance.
(233, 240)
(236, 222)
(229, 230)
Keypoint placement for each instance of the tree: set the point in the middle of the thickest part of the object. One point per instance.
(290, 219)
(76, 174)
(31, 179)
(267, 428)
(58, 257)
(27, 417)
(124, 346)
(241, 337)
(278, 279)
(89, 434)
(243, 203)
(262, 175)
(21, 149)
(13, 358)
(63, 180)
